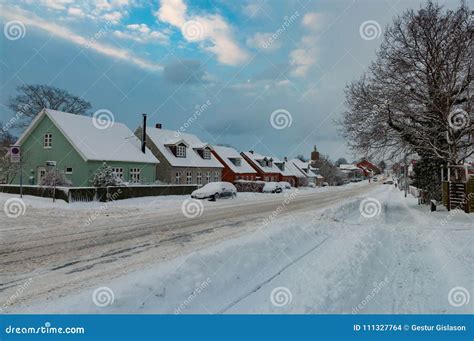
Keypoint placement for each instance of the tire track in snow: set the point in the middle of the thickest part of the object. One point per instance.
(268, 280)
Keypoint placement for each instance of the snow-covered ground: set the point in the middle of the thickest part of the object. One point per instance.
(378, 253)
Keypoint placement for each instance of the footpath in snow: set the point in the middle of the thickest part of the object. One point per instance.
(380, 253)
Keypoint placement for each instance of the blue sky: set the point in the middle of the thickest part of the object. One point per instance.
(166, 58)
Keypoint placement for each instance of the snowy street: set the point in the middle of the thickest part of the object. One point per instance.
(318, 254)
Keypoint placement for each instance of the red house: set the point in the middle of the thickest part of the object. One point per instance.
(235, 166)
(368, 168)
(263, 165)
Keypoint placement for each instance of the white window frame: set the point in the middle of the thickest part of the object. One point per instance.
(206, 154)
(216, 176)
(189, 178)
(199, 177)
(208, 177)
(177, 178)
(48, 141)
(135, 175)
(118, 171)
(66, 170)
(181, 151)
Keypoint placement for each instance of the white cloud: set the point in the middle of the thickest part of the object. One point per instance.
(113, 17)
(30, 20)
(302, 60)
(141, 33)
(314, 21)
(264, 41)
(211, 31)
(303, 57)
(75, 12)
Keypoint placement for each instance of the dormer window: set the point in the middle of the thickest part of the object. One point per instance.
(206, 154)
(181, 151)
(237, 162)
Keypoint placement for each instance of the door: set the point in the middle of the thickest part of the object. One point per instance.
(41, 174)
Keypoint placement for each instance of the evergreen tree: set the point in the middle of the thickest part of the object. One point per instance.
(105, 176)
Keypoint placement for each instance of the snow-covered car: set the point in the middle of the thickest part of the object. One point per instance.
(324, 184)
(285, 184)
(312, 185)
(375, 179)
(215, 190)
(388, 182)
(272, 187)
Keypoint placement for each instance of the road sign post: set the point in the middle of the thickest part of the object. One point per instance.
(15, 156)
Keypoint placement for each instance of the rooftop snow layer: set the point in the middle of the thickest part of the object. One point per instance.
(228, 153)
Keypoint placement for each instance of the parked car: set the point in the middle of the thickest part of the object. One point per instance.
(272, 187)
(388, 182)
(324, 184)
(312, 185)
(375, 179)
(285, 184)
(215, 190)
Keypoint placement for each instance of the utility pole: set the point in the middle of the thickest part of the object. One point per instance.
(406, 176)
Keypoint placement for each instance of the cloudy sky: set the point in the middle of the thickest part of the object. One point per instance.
(270, 73)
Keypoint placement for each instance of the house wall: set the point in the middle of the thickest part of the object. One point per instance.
(35, 156)
(261, 175)
(229, 175)
(165, 172)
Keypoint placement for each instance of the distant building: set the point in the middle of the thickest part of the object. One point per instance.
(263, 165)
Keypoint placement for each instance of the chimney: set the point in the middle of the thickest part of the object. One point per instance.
(251, 151)
(158, 126)
(144, 134)
(286, 159)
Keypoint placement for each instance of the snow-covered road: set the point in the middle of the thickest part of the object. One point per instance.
(319, 254)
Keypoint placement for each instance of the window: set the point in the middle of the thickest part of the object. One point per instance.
(266, 178)
(216, 176)
(68, 170)
(208, 177)
(181, 151)
(199, 178)
(236, 162)
(48, 140)
(118, 171)
(135, 174)
(271, 179)
(189, 178)
(178, 178)
(206, 154)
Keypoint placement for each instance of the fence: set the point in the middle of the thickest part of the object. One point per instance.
(74, 194)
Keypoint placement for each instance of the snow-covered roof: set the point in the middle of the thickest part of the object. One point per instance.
(291, 170)
(114, 143)
(162, 138)
(348, 167)
(256, 157)
(228, 153)
(304, 168)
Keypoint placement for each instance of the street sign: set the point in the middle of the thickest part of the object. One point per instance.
(15, 153)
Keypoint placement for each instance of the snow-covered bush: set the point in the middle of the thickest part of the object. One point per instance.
(54, 178)
(105, 176)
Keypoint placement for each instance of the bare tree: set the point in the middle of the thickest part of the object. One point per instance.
(8, 169)
(33, 98)
(417, 95)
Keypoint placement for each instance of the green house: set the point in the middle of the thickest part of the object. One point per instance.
(79, 145)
